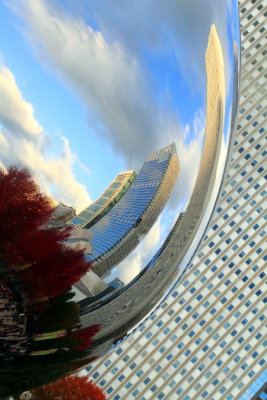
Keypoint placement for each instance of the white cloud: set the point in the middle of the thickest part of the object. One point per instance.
(15, 113)
(189, 148)
(23, 143)
(105, 70)
(151, 240)
(84, 168)
(177, 25)
(105, 77)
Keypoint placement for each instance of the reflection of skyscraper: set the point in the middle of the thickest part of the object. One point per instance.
(120, 231)
(215, 110)
(142, 294)
(207, 338)
(105, 202)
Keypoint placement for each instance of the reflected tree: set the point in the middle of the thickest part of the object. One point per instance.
(70, 388)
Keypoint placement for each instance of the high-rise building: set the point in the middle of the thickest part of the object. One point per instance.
(129, 220)
(117, 233)
(105, 202)
(206, 340)
(118, 314)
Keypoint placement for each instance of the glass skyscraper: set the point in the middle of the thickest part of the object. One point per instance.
(117, 233)
(207, 339)
(118, 314)
(105, 202)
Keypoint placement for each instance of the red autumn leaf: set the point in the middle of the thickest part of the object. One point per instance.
(23, 207)
(86, 335)
(35, 254)
(70, 388)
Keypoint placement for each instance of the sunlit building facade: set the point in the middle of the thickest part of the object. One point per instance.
(207, 339)
(125, 225)
(95, 211)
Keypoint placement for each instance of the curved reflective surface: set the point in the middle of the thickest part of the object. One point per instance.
(124, 112)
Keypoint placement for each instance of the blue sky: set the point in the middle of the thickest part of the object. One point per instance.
(90, 89)
(55, 106)
(61, 112)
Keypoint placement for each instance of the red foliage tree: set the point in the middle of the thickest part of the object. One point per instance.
(55, 273)
(70, 388)
(35, 245)
(22, 207)
(84, 336)
(76, 341)
(37, 255)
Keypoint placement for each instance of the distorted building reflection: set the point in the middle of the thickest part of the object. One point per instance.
(120, 313)
(105, 202)
(120, 230)
(126, 224)
(160, 97)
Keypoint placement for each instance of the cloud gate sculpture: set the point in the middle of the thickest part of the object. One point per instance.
(89, 259)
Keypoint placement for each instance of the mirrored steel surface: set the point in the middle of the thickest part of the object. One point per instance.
(158, 83)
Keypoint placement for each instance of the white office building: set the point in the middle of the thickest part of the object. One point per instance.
(206, 340)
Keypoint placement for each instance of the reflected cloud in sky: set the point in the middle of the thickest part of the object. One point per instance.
(97, 86)
(140, 88)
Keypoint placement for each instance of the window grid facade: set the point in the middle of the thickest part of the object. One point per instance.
(125, 225)
(105, 202)
(207, 339)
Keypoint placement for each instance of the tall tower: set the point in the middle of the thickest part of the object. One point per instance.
(122, 312)
(95, 211)
(124, 226)
(206, 340)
